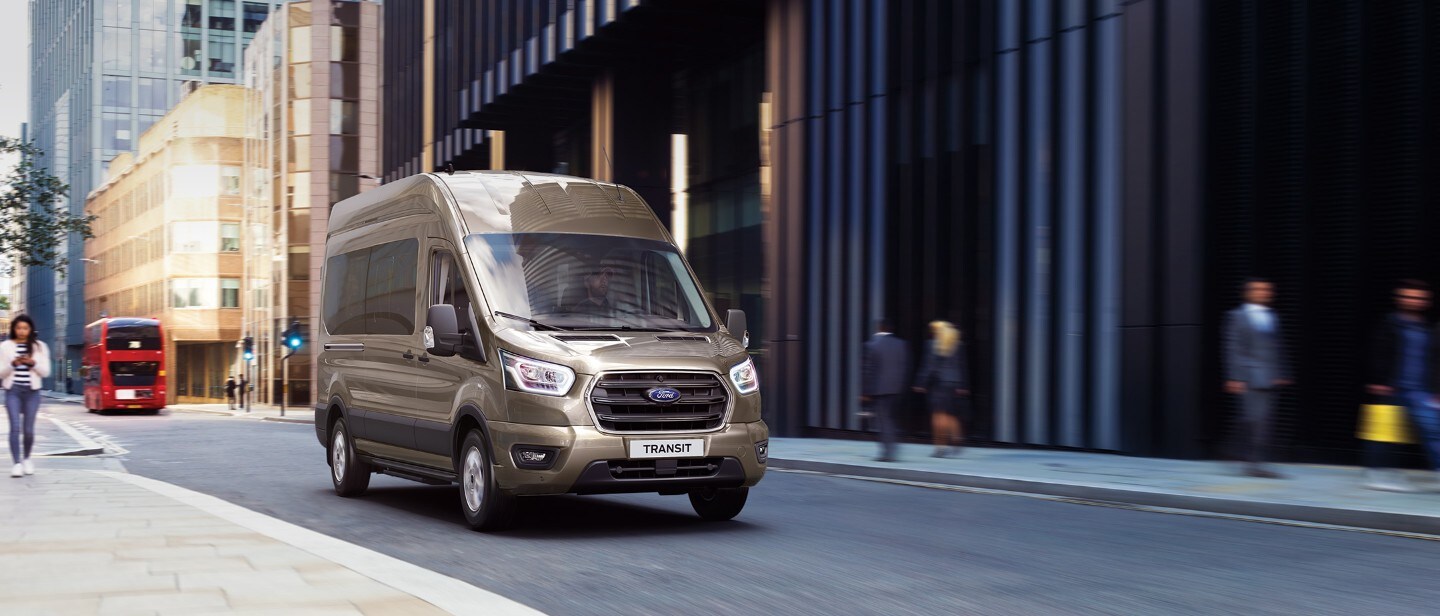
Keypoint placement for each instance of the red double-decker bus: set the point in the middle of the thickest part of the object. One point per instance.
(124, 364)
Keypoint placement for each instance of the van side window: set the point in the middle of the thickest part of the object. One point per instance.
(390, 288)
(345, 292)
(447, 286)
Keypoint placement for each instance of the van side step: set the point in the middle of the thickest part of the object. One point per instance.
(428, 476)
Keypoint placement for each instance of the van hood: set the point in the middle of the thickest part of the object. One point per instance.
(594, 352)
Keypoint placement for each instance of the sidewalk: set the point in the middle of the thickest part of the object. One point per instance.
(93, 542)
(266, 412)
(1312, 493)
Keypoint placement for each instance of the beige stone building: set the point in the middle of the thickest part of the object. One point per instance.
(313, 125)
(167, 239)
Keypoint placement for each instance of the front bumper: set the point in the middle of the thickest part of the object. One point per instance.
(586, 459)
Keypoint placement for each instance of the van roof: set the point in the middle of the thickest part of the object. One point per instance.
(512, 202)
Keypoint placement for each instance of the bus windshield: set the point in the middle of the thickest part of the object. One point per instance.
(133, 337)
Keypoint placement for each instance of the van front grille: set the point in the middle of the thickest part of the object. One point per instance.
(622, 405)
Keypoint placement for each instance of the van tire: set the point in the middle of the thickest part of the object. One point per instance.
(485, 505)
(718, 504)
(348, 472)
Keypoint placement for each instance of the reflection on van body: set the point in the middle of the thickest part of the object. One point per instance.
(527, 334)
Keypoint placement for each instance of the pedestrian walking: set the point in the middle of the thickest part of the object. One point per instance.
(886, 362)
(1403, 373)
(944, 378)
(230, 391)
(244, 389)
(1256, 371)
(24, 365)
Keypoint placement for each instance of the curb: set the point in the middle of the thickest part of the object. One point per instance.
(1358, 518)
(288, 420)
(180, 409)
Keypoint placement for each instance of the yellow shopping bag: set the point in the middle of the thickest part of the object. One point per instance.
(1385, 424)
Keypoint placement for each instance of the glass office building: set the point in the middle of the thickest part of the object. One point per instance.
(1080, 185)
(101, 73)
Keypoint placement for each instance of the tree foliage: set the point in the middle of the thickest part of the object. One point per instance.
(34, 220)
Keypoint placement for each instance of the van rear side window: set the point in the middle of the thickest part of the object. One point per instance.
(372, 290)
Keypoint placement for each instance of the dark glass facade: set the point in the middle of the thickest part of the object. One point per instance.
(1079, 185)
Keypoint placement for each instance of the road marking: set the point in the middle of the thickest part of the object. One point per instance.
(86, 443)
(1117, 505)
(442, 591)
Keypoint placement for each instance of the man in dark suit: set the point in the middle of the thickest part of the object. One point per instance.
(1256, 370)
(884, 380)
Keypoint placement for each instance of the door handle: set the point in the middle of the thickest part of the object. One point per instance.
(425, 359)
(408, 355)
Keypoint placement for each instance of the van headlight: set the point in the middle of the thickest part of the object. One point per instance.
(744, 377)
(535, 376)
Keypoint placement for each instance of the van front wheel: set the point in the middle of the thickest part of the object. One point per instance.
(486, 507)
(718, 504)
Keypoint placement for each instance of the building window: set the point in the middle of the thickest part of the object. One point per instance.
(230, 181)
(191, 18)
(152, 14)
(230, 293)
(117, 12)
(190, 54)
(115, 91)
(152, 94)
(152, 51)
(229, 237)
(194, 237)
(115, 48)
(194, 292)
(222, 15)
(344, 117)
(255, 14)
(115, 131)
(222, 55)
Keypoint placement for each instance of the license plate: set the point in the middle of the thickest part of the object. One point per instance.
(125, 394)
(668, 448)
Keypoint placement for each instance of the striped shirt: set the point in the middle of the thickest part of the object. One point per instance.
(22, 372)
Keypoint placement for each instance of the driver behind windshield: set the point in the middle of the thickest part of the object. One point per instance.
(597, 294)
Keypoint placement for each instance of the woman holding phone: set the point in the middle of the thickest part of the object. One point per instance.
(24, 364)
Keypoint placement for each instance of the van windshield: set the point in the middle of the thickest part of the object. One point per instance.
(588, 282)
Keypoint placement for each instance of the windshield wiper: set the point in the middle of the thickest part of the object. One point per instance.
(533, 323)
(617, 328)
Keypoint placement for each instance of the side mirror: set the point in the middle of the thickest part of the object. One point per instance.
(735, 322)
(442, 332)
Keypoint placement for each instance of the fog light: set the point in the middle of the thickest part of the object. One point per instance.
(762, 451)
(533, 457)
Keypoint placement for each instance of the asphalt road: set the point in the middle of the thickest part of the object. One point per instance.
(805, 544)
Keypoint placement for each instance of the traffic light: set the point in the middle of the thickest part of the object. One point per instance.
(249, 348)
(293, 337)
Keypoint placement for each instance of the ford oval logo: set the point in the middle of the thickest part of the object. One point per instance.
(663, 395)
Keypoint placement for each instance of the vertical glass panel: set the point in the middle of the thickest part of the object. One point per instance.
(344, 117)
(230, 237)
(152, 51)
(230, 293)
(222, 55)
(230, 181)
(300, 117)
(115, 91)
(300, 44)
(117, 12)
(152, 14)
(152, 94)
(222, 15)
(115, 45)
(344, 80)
(255, 14)
(195, 237)
(192, 15)
(300, 80)
(190, 54)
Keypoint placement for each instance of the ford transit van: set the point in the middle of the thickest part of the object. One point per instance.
(525, 334)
